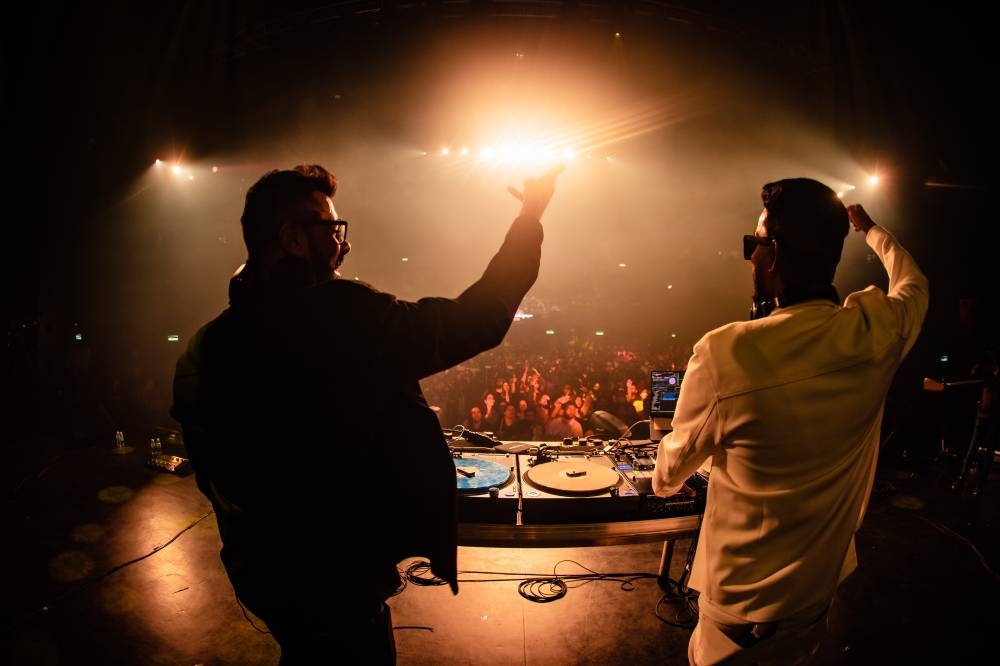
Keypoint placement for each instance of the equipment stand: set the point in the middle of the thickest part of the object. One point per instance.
(667, 556)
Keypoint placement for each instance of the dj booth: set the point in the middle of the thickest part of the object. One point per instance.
(569, 493)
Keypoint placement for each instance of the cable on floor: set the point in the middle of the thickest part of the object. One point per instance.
(537, 588)
(683, 604)
(44, 608)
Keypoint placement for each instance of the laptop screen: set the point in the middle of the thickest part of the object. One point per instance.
(664, 388)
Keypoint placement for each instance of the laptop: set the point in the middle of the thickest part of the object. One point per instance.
(664, 389)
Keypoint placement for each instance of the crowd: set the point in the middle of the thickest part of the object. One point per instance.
(518, 393)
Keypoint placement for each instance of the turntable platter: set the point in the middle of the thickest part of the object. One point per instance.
(475, 475)
(572, 477)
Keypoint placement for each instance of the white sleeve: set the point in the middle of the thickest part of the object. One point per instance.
(693, 439)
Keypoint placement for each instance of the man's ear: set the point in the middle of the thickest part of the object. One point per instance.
(293, 240)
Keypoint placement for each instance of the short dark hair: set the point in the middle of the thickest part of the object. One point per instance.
(270, 198)
(809, 221)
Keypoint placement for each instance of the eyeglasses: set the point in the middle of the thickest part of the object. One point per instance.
(336, 228)
(750, 243)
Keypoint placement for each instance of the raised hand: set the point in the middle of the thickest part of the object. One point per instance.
(537, 192)
(859, 218)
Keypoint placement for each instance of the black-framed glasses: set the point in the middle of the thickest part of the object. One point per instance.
(750, 243)
(336, 228)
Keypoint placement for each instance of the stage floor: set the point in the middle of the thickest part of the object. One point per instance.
(117, 563)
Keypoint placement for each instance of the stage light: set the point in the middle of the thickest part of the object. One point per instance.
(215, 169)
(176, 170)
(405, 259)
(464, 151)
(569, 154)
(445, 151)
(158, 163)
(598, 332)
(673, 335)
(173, 337)
(486, 153)
(78, 337)
(549, 331)
(621, 265)
(873, 180)
(670, 286)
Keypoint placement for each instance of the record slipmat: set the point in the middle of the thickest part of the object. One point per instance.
(578, 477)
(475, 475)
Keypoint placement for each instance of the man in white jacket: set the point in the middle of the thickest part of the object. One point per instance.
(787, 411)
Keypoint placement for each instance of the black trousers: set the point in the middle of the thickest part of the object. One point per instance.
(336, 641)
(320, 620)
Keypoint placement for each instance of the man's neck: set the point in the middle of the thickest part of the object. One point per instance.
(792, 295)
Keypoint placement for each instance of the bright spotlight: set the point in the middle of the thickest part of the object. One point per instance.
(569, 154)
(445, 151)
(464, 151)
(598, 332)
(873, 180)
(487, 152)
(176, 170)
(621, 265)
(215, 169)
(158, 162)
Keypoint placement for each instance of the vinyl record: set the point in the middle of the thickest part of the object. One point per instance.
(475, 475)
(572, 477)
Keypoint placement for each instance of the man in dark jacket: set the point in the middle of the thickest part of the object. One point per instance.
(305, 422)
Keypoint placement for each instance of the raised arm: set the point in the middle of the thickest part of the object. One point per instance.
(908, 290)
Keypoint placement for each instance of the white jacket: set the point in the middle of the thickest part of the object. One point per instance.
(788, 409)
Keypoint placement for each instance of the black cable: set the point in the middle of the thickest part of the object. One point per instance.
(538, 588)
(686, 613)
(45, 607)
(249, 619)
(154, 551)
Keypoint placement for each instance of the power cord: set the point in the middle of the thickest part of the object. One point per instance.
(684, 604)
(44, 608)
(537, 588)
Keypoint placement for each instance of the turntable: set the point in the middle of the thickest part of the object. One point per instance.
(574, 488)
(573, 477)
(487, 487)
